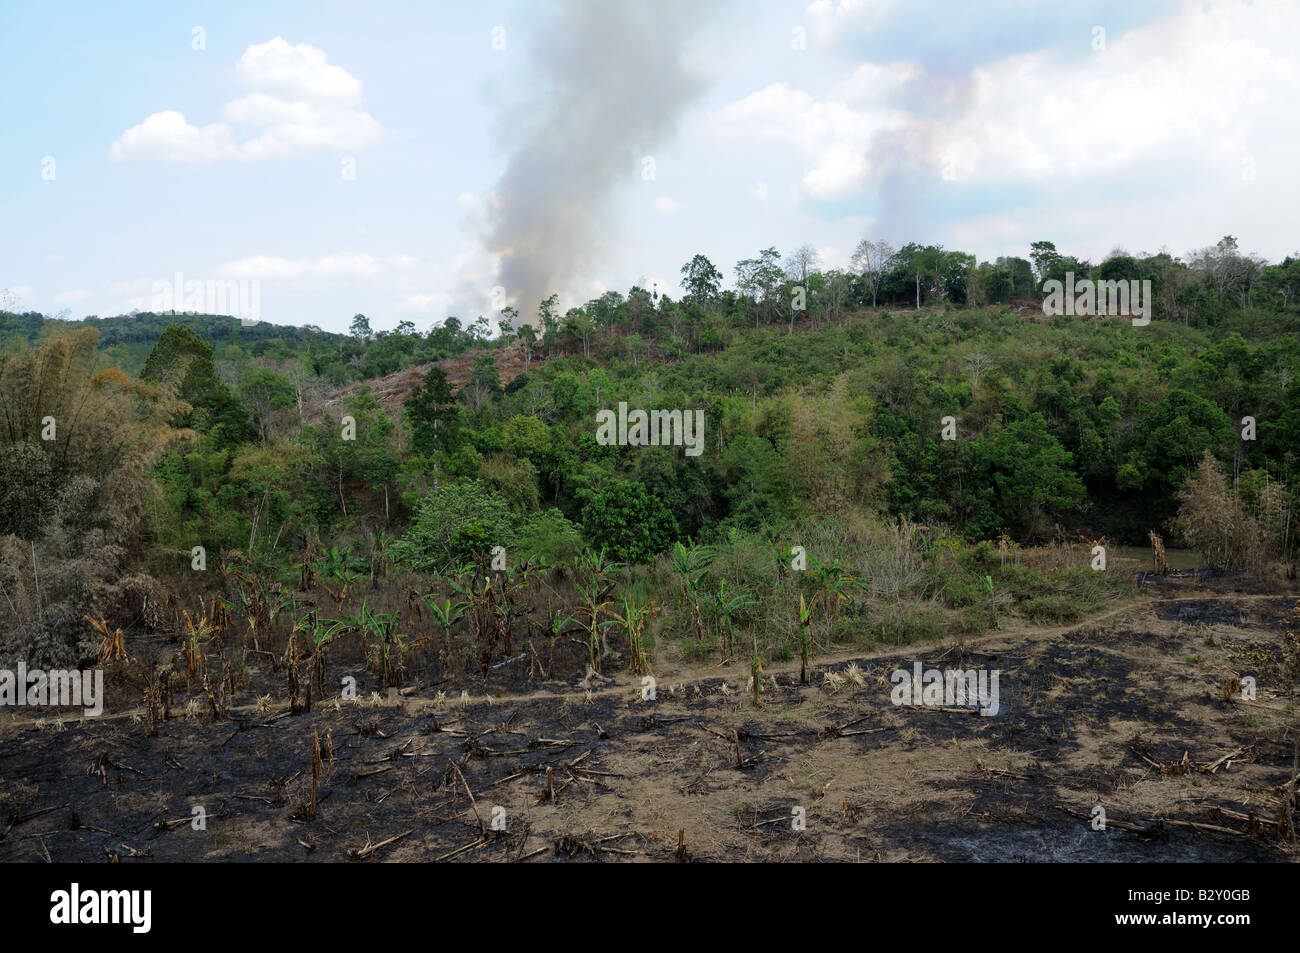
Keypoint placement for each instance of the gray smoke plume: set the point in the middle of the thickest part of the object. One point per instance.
(907, 182)
(610, 83)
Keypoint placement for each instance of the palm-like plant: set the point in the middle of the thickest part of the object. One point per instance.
(727, 608)
(381, 555)
(318, 632)
(447, 614)
(508, 606)
(633, 620)
(250, 599)
(292, 660)
(690, 564)
(774, 535)
(595, 594)
(987, 582)
(594, 603)
(198, 630)
(556, 623)
(805, 639)
(381, 625)
(112, 645)
(341, 567)
(833, 587)
(391, 644)
(350, 623)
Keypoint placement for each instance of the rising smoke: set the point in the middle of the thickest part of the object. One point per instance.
(610, 82)
(906, 161)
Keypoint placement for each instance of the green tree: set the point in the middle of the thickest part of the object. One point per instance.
(701, 280)
(433, 414)
(579, 326)
(1045, 258)
(628, 522)
(546, 538)
(360, 328)
(1168, 443)
(265, 392)
(528, 339)
(528, 439)
(548, 319)
(430, 542)
(759, 279)
(182, 363)
(484, 384)
(1034, 476)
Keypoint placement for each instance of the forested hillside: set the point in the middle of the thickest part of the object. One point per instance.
(125, 443)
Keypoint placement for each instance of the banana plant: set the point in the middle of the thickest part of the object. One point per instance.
(595, 594)
(508, 606)
(363, 622)
(690, 564)
(773, 535)
(447, 614)
(381, 555)
(596, 566)
(805, 639)
(280, 601)
(197, 631)
(633, 620)
(383, 625)
(594, 603)
(319, 632)
(341, 567)
(727, 608)
(292, 660)
(556, 623)
(251, 603)
(987, 582)
(112, 645)
(833, 587)
(340, 595)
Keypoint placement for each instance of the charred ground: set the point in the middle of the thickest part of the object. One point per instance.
(1138, 710)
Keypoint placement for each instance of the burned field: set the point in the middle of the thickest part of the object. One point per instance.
(1139, 712)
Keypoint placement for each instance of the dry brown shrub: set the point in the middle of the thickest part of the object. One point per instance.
(1227, 532)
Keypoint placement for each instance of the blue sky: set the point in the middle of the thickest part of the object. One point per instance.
(130, 155)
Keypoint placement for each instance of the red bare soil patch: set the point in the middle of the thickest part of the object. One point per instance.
(395, 389)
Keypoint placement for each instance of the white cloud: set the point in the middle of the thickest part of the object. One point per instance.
(135, 286)
(833, 135)
(1208, 83)
(831, 257)
(296, 71)
(167, 135)
(71, 297)
(667, 206)
(424, 300)
(1197, 95)
(468, 280)
(298, 104)
(876, 83)
(841, 8)
(830, 20)
(337, 265)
